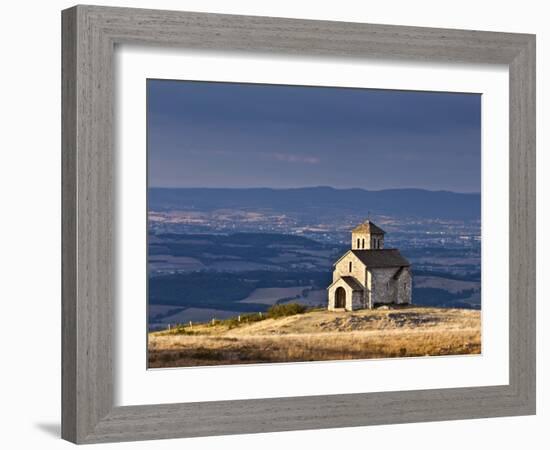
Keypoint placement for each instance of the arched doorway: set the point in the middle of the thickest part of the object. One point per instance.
(340, 298)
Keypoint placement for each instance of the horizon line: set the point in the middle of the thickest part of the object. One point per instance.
(315, 187)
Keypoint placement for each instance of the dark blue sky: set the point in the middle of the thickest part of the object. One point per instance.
(243, 135)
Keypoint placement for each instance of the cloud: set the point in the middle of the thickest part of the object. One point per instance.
(277, 156)
(292, 158)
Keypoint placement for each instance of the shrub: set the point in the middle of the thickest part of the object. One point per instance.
(177, 329)
(288, 309)
(245, 318)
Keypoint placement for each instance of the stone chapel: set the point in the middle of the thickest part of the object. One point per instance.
(369, 274)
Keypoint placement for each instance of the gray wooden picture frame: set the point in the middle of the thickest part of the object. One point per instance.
(90, 34)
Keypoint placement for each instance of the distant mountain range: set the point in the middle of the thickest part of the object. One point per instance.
(322, 200)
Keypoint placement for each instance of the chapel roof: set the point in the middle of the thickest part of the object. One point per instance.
(368, 227)
(352, 282)
(388, 257)
(397, 274)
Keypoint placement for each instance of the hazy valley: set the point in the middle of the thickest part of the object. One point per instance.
(217, 253)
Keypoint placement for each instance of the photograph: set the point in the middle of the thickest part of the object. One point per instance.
(292, 223)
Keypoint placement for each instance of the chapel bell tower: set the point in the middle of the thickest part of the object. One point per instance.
(367, 236)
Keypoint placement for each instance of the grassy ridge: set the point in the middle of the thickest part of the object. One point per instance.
(321, 335)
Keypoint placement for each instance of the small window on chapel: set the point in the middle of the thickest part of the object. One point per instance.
(358, 242)
(350, 266)
(363, 244)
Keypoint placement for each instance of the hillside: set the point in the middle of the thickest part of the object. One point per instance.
(320, 335)
(321, 200)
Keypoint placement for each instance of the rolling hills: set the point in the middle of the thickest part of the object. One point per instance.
(322, 200)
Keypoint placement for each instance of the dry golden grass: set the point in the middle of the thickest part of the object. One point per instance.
(322, 336)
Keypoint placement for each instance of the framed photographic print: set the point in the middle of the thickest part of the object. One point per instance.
(279, 224)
